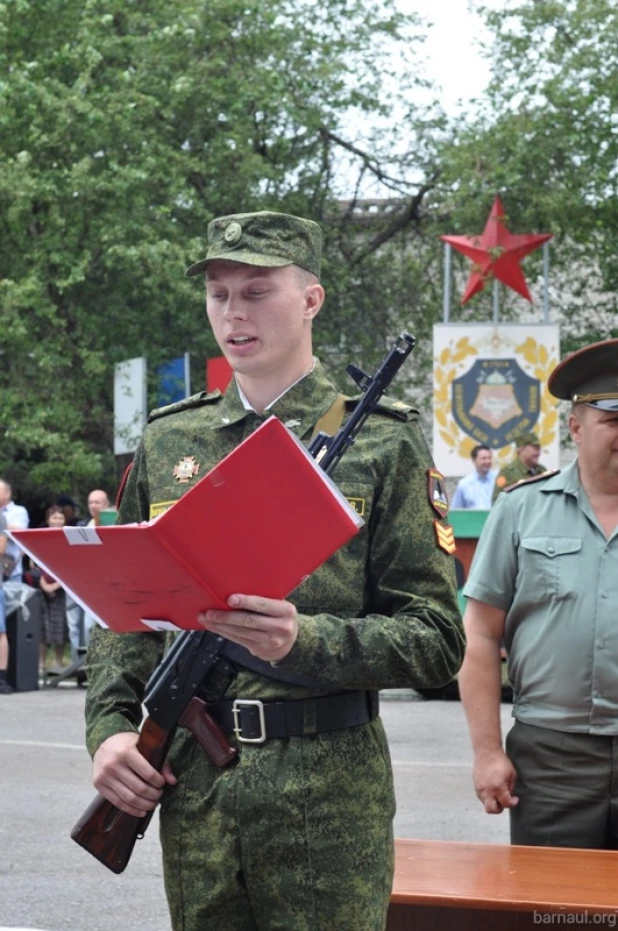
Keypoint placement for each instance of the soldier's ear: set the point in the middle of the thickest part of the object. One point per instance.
(575, 426)
(314, 298)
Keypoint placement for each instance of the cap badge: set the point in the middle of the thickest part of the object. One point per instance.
(233, 233)
(185, 470)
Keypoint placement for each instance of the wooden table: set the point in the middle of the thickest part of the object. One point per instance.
(473, 887)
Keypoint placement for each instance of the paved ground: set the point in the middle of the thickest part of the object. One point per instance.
(48, 883)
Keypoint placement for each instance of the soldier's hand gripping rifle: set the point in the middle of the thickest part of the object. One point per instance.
(199, 660)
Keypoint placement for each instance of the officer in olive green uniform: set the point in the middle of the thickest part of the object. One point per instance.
(524, 465)
(545, 576)
(296, 834)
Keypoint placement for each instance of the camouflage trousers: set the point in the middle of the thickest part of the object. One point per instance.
(295, 835)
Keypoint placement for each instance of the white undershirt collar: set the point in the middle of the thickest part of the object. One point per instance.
(247, 405)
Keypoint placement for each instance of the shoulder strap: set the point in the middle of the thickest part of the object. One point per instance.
(391, 406)
(333, 418)
(532, 479)
(194, 400)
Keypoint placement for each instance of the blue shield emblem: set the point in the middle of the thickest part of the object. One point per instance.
(495, 400)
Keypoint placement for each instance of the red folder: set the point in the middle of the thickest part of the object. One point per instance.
(258, 524)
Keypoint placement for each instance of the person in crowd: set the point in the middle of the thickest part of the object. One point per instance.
(523, 466)
(545, 577)
(74, 612)
(5, 687)
(16, 519)
(98, 500)
(297, 832)
(54, 633)
(75, 625)
(475, 490)
(70, 510)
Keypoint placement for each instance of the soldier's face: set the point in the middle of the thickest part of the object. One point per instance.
(530, 455)
(261, 317)
(595, 434)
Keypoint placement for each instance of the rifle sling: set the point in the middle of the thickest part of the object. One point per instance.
(241, 656)
(331, 421)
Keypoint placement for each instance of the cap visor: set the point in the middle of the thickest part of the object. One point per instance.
(608, 404)
(243, 258)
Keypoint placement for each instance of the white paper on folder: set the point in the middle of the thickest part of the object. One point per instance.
(82, 536)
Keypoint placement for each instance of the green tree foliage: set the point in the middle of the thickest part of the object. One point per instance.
(125, 126)
(545, 138)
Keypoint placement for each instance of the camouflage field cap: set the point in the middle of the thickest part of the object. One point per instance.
(526, 439)
(267, 239)
(589, 375)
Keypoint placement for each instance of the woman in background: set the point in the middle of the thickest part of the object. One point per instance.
(54, 631)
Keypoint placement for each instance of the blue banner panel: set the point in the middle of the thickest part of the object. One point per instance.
(171, 381)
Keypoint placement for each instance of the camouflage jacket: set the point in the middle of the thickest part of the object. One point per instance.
(381, 613)
(512, 473)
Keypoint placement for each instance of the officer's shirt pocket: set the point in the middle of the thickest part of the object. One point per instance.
(550, 566)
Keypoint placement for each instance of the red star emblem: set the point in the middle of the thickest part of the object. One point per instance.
(496, 253)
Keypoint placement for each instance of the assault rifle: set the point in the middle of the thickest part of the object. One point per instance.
(201, 661)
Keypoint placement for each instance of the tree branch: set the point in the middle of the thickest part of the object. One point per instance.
(396, 184)
(410, 215)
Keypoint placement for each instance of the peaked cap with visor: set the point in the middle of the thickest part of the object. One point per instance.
(588, 376)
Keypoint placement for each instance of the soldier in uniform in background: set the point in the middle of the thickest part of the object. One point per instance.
(545, 577)
(296, 833)
(524, 465)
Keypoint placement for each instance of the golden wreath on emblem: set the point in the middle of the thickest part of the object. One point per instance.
(453, 360)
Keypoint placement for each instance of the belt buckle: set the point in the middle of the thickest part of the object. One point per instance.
(239, 703)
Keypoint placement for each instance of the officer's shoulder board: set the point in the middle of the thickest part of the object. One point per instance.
(196, 400)
(532, 480)
(388, 406)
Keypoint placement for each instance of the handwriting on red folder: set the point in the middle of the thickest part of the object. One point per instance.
(259, 523)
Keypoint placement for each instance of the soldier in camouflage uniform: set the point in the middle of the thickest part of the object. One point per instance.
(295, 834)
(525, 464)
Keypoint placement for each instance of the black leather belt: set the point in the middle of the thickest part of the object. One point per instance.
(254, 721)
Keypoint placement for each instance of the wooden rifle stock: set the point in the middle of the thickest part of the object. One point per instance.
(207, 732)
(107, 832)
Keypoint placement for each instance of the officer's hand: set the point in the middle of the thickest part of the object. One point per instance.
(494, 780)
(125, 778)
(266, 626)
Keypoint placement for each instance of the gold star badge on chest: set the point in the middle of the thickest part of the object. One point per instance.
(185, 470)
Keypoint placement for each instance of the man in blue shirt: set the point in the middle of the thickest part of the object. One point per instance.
(12, 517)
(16, 519)
(475, 490)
